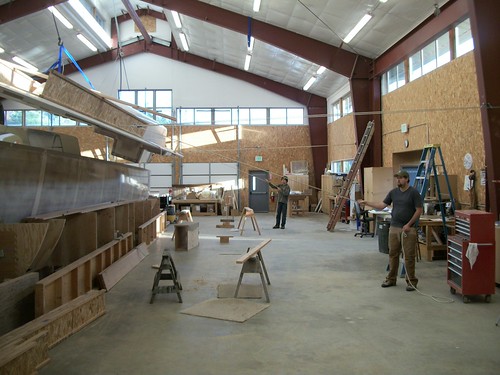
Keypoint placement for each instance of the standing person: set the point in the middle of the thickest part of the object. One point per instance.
(406, 209)
(283, 193)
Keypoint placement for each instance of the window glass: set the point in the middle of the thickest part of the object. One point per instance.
(186, 116)
(127, 96)
(295, 116)
(244, 116)
(463, 38)
(416, 66)
(277, 116)
(336, 111)
(163, 98)
(429, 58)
(203, 116)
(383, 83)
(222, 116)
(258, 116)
(392, 79)
(443, 49)
(346, 105)
(33, 118)
(401, 74)
(67, 122)
(145, 99)
(14, 118)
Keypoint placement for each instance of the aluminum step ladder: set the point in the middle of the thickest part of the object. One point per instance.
(428, 167)
(346, 186)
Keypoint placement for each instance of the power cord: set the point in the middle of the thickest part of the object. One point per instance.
(434, 298)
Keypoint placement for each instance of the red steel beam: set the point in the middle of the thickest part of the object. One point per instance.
(21, 8)
(137, 21)
(484, 27)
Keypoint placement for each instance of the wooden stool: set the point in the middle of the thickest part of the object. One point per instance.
(224, 239)
(226, 223)
(248, 212)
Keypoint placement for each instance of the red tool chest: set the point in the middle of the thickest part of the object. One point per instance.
(472, 226)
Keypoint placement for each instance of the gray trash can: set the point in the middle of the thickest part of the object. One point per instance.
(383, 236)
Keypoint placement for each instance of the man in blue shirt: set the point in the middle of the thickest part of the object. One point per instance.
(406, 209)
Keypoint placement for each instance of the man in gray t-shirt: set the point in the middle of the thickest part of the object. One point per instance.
(406, 209)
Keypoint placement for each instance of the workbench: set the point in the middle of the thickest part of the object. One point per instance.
(298, 204)
(198, 207)
(434, 246)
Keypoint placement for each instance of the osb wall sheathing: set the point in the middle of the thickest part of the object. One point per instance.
(341, 139)
(278, 146)
(442, 108)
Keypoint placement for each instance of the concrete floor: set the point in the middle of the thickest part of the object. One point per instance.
(328, 313)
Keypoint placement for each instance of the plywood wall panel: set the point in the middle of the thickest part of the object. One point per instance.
(342, 139)
(441, 107)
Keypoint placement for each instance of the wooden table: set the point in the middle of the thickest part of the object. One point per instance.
(434, 246)
(298, 204)
(198, 207)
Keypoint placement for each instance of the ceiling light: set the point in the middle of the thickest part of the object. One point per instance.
(90, 20)
(309, 83)
(86, 42)
(320, 70)
(60, 17)
(184, 41)
(177, 19)
(256, 5)
(24, 63)
(2, 50)
(358, 27)
(383, 1)
(252, 42)
(247, 62)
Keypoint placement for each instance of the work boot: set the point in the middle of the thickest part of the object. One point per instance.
(388, 283)
(276, 227)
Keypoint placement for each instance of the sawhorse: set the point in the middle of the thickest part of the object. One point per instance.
(166, 271)
(253, 262)
(248, 212)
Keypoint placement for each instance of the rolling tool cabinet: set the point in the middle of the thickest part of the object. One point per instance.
(463, 275)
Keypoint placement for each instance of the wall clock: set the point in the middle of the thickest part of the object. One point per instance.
(467, 161)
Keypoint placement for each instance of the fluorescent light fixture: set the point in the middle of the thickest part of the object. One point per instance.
(309, 83)
(24, 63)
(383, 1)
(358, 27)
(90, 20)
(60, 17)
(177, 19)
(86, 42)
(320, 70)
(2, 50)
(252, 42)
(184, 41)
(256, 5)
(247, 61)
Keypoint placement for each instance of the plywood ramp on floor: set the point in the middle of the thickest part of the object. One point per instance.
(114, 273)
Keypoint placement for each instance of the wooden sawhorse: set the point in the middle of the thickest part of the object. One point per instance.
(253, 262)
(166, 271)
(248, 212)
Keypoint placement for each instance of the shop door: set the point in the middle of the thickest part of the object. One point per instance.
(258, 199)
